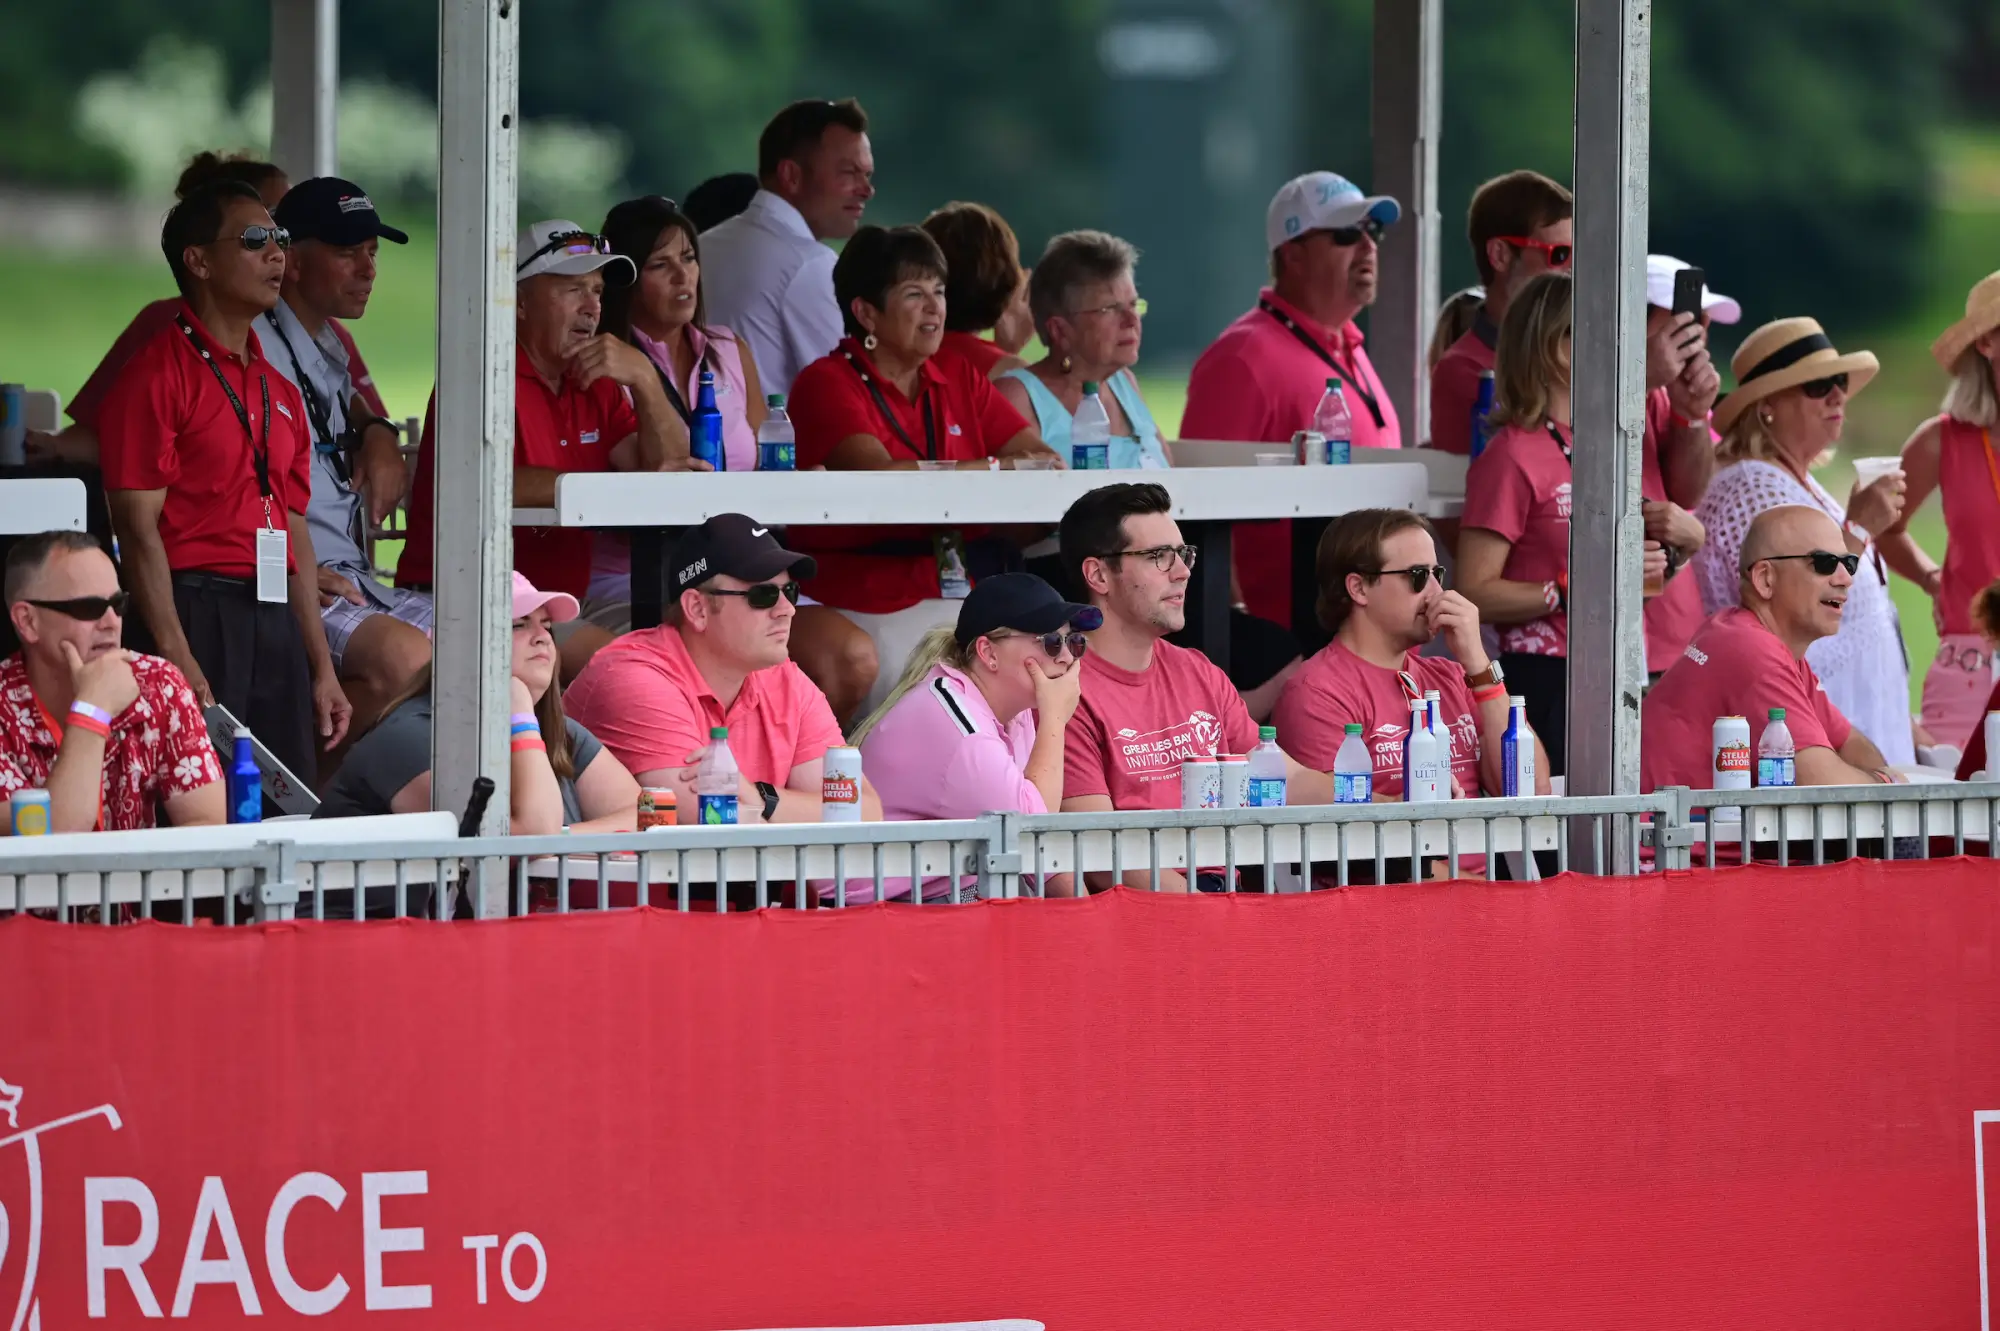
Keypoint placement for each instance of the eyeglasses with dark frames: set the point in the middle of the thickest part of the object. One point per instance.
(1420, 575)
(1162, 556)
(1824, 562)
(1557, 255)
(1819, 388)
(88, 609)
(762, 596)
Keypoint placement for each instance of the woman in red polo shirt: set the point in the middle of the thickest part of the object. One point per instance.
(881, 402)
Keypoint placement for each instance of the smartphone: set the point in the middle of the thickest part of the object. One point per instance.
(1688, 284)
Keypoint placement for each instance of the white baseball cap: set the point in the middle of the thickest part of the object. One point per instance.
(1321, 201)
(561, 246)
(1660, 270)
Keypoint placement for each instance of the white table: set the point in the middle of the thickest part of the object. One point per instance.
(1444, 489)
(1206, 502)
(320, 838)
(34, 504)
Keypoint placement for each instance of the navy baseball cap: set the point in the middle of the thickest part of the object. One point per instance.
(333, 210)
(1023, 602)
(735, 545)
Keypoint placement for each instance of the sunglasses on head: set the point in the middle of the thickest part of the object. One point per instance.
(1824, 562)
(762, 596)
(257, 237)
(88, 609)
(1420, 575)
(569, 242)
(1345, 236)
(1557, 255)
(1818, 388)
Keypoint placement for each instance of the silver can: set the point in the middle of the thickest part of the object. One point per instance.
(1732, 758)
(1235, 769)
(840, 787)
(1309, 448)
(1201, 784)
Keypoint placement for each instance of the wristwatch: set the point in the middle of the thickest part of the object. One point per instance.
(1491, 677)
(770, 794)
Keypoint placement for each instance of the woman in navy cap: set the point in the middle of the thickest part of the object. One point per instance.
(975, 724)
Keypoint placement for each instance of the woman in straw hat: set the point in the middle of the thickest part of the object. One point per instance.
(1787, 410)
(1954, 454)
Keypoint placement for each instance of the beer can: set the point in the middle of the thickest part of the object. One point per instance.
(1309, 448)
(1235, 769)
(658, 807)
(13, 425)
(1732, 753)
(1201, 784)
(840, 787)
(30, 809)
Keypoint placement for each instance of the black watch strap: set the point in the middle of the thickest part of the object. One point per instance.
(770, 794)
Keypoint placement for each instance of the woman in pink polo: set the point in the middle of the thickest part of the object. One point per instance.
(976, 723)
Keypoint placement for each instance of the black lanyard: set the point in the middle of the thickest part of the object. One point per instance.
(882, 405)
(1561, 442)
(260, 459)
(317, 412)
(1349, 371)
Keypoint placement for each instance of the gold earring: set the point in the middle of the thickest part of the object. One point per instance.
(868, 342)
(1065, 365)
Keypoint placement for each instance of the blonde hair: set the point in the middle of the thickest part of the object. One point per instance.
(1455, 319)
(1528, 359)
(1971, 397)
(1749, 439)
(940, 646)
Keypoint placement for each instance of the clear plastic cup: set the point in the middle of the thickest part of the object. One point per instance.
(1034, 464)
(925, 464)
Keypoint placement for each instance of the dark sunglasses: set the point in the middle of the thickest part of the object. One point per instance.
(1558, 255)
(1818, 388)
(762, 596)
(257, 237)
(89, 609)
(569, 242)
(1053, 643)
(1345, 236)
(1824, 562)
(1162, 556)
(1420, 575)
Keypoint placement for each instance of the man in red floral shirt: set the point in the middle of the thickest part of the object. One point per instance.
(112, 735)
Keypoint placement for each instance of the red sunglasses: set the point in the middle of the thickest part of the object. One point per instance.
(1557, 255)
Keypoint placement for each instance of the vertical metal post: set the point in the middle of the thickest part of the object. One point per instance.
(305, 87)
(1405, 116)
(1608, 356)
(478, 50)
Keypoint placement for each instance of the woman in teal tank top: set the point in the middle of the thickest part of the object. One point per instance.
(1088, 313)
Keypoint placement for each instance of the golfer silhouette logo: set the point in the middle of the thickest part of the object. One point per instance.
(27, 1315)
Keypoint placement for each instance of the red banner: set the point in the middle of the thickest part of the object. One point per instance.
(1736, 1099)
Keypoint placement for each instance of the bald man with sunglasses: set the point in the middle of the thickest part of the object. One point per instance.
(1795, 573)
(114, 736)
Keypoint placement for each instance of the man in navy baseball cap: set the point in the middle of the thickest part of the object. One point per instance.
(336, 211)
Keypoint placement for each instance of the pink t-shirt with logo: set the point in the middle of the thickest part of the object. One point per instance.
(1734, 667)
(1519, 488)
(1132, 731)
(1336, 687)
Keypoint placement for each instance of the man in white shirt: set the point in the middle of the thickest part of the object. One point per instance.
(765, 273)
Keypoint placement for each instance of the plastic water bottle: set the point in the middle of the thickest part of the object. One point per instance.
(705, 430)
(1353, 769)
(246, 781)
(1332, 419)
(716, 781)
(1775, 754)
(1090, 433)
(1266, 773)
(1517, 751)
(1482, 404)
(1423, 763)
(1443, 732)
(777, 442)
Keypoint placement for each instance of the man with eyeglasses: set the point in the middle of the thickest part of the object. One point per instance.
(1748, 658)
(115, 737)
(584, 400)
(1147, 705)
(379, 636)
(720, 659)
(207, 458)
(1262, 378)
(1382, 596)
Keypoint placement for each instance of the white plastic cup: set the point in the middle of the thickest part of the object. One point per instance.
(1867, 471)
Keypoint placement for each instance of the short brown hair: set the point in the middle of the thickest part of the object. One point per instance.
(874, 259)
(1515, 204)
(1352, 543)
(798, 128)
(985, 262)
(1071, 260)
(1527, 359)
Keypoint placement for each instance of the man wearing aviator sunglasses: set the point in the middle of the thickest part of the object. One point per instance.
(112, 735)
(1795, 578)
(721, 659)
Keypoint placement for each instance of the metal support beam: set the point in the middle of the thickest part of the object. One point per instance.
(1405, 117)
(478, 53)
(1606, 647)
(305, 87)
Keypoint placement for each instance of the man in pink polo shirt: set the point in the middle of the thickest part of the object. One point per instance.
(719, 660)
(1261, 379)
(1382, 596)
(1147, 705)
(1750, 658)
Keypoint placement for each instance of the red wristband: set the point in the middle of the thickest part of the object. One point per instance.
(1489, 693)
(1681, 422)
(79, 721)
(525, 743)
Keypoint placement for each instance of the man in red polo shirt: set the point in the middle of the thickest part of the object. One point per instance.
(208, 469)
(583, 401)
(720, 660)
(1262, 378)
(1751, 657)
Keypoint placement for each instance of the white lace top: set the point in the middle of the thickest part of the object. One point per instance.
(1862, 666)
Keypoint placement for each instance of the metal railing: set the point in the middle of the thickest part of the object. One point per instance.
(1004, 855)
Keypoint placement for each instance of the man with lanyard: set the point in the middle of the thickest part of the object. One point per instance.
(379, 636)
(207, 465)
(1263, 377)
